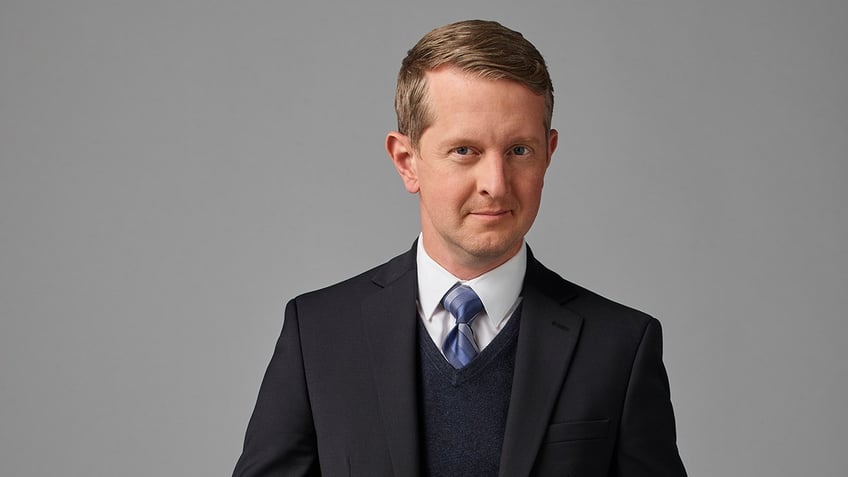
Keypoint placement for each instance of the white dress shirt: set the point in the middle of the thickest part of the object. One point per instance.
(499, 290)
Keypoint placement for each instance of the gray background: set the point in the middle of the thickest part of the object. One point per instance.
(171, 172)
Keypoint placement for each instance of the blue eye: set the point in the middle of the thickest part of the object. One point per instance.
(462, 150)
(520, 150)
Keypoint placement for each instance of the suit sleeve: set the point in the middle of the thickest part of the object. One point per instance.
(647, 442)
(280, 437)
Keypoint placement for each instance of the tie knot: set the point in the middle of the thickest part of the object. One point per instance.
(462, 303)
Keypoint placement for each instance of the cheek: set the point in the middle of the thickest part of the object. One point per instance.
(529, 188)
(446, 200)
(446, 189)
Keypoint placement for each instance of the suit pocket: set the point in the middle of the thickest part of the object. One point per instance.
(577, 431)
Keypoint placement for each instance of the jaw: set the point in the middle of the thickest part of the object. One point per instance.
(475, 240)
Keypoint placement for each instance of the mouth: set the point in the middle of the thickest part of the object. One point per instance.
(491, 214)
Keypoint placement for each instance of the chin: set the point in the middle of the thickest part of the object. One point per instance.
(486, 249)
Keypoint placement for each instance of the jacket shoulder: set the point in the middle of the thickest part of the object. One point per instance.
(361, 285)
(596, 310)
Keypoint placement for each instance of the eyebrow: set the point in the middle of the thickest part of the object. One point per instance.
(468, 141)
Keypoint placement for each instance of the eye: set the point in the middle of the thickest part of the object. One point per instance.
(520, 150)
(462, 150)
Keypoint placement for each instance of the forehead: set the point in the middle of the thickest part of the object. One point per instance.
(460, 101)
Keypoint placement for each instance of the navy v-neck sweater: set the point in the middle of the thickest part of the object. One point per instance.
(463, 411)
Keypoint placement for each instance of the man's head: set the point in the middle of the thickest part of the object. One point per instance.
(485, 49)
(482, 143)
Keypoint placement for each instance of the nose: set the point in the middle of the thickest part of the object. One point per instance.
(492, 176)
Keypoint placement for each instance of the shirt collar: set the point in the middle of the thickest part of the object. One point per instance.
(498, 289)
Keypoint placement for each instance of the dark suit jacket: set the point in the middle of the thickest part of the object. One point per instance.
(590, 395)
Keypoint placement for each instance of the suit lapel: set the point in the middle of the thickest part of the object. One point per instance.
(389, 318)
(546, 342)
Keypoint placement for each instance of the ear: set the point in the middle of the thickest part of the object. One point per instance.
(553, 139)
(401, 152)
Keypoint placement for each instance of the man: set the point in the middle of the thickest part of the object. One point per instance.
(465, 356)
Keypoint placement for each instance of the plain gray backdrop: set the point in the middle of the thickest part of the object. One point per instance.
(171, 172)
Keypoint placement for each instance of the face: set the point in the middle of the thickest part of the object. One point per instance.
(478, 169)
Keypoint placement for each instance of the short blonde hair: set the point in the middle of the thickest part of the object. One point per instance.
(484, 48)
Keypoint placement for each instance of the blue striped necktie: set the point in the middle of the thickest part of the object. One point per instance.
(464, 305)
